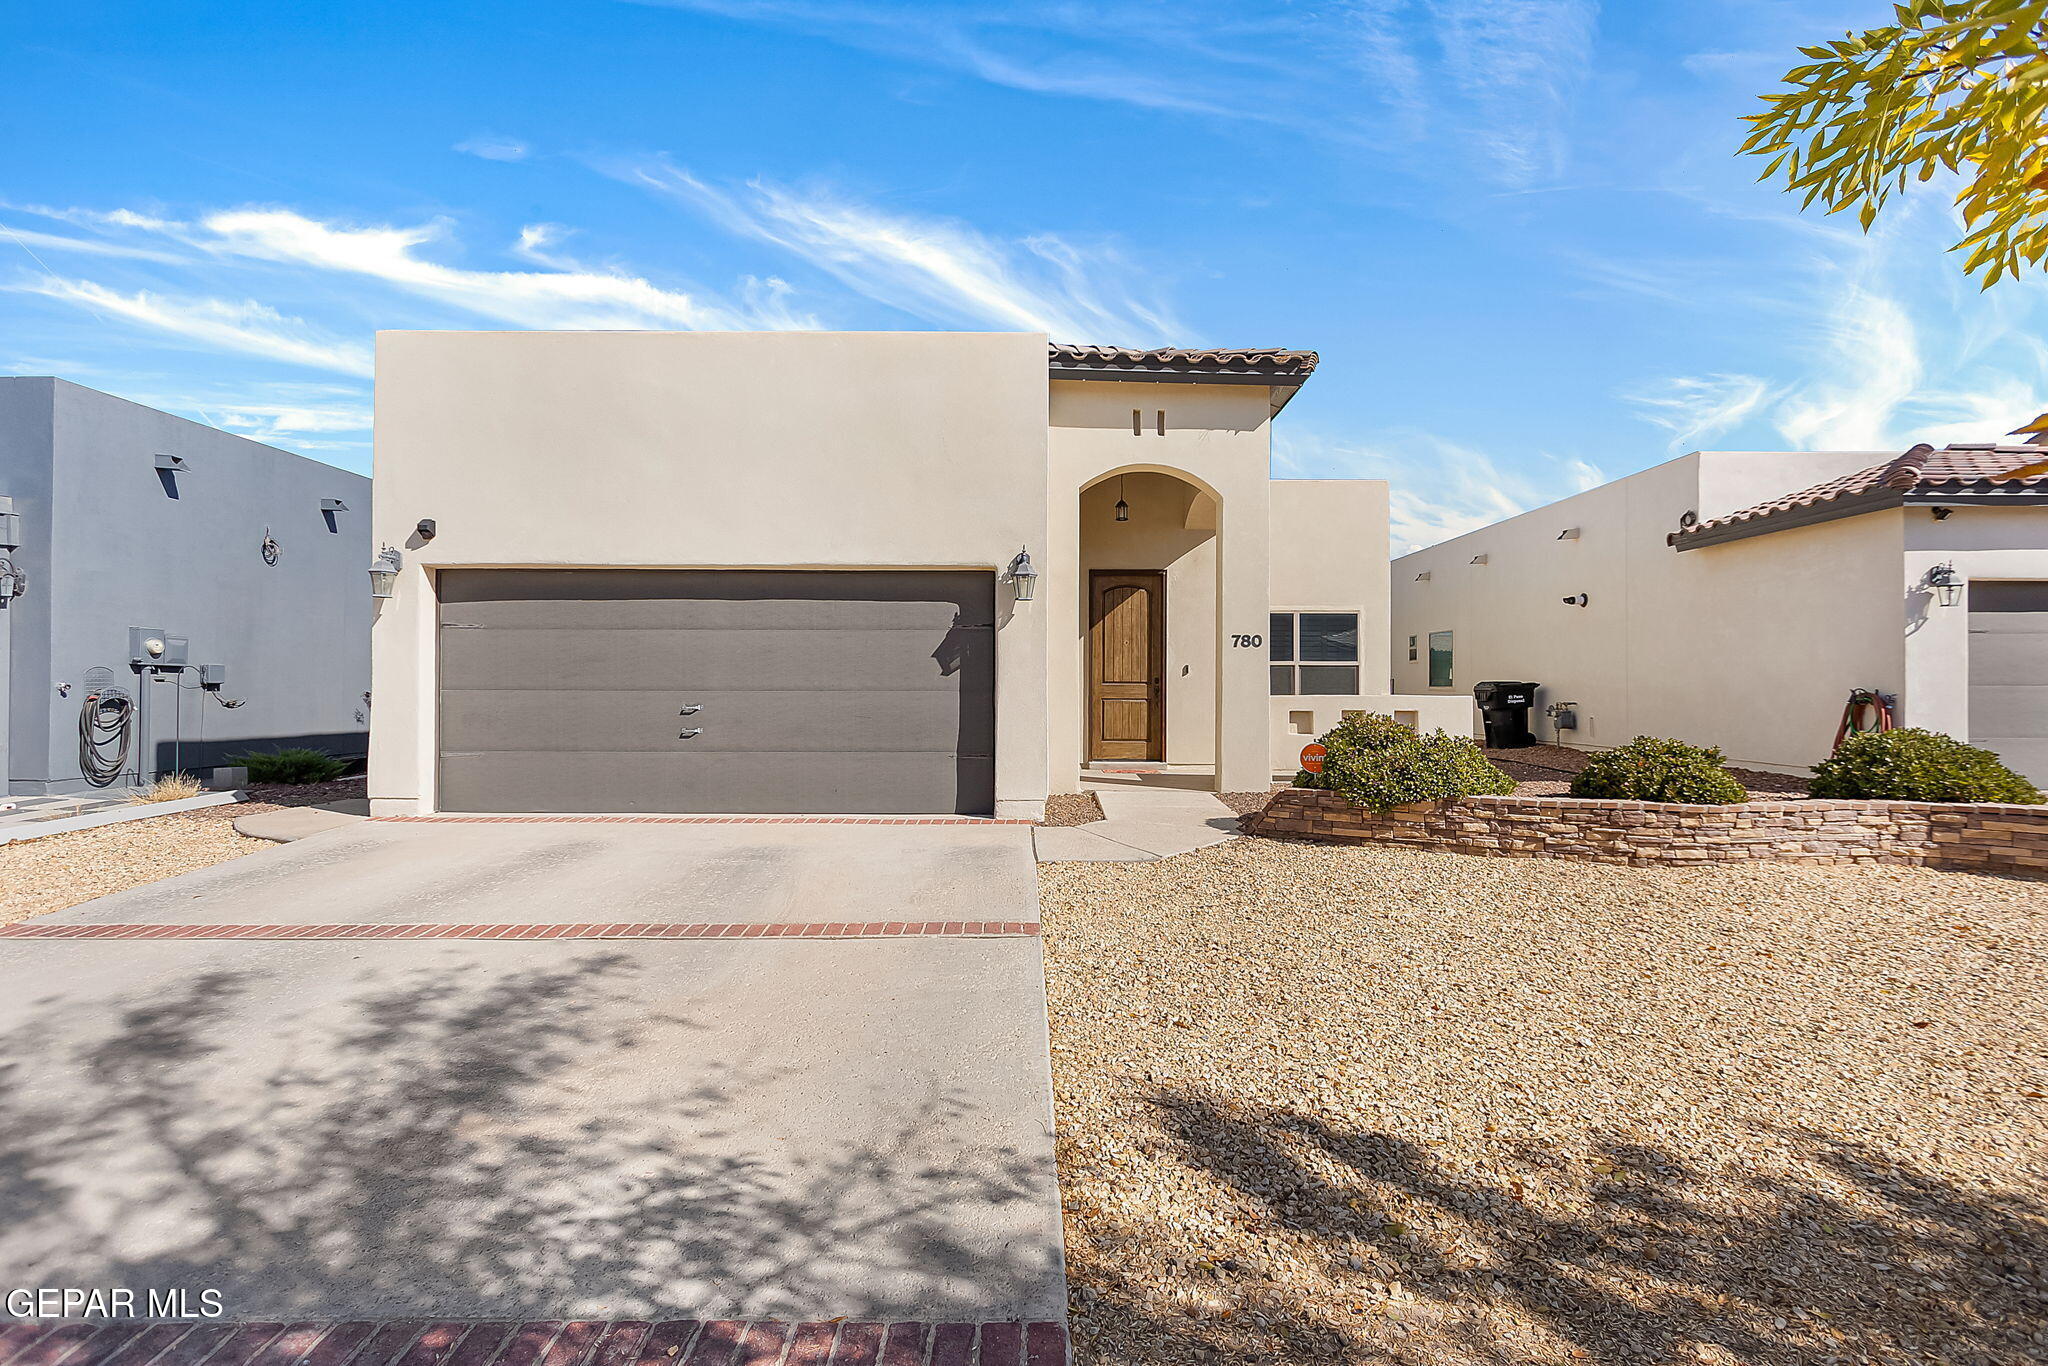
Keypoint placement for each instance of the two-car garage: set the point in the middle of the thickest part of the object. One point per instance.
(738, 690)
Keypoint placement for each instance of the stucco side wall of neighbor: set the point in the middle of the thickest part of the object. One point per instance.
(707, 450)
(26, 412)
(1982, 543)
(1751, 645)
(1217, 438)
(127, 548)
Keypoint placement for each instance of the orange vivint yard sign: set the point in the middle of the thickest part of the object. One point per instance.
(1312, 758)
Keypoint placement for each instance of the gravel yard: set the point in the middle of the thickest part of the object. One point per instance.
(48, 874)
(1322, 1104)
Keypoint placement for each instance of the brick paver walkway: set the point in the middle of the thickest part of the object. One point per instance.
(679, 1342)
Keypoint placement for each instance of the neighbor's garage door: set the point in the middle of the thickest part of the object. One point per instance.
(579, 690)
(2009, 673)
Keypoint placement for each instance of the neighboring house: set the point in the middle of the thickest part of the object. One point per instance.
(124, 525)
(1735, 598)
(783, 572)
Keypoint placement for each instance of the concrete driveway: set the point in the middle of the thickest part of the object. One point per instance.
(791, 1128)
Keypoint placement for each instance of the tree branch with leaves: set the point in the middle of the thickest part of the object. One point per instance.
(1954, 85)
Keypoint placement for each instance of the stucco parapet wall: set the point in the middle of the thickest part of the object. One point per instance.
(1984, 837)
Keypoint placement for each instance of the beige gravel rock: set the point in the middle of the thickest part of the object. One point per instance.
(48, 874)
(1324, 1104)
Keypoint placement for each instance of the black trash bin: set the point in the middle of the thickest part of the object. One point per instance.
(1504, 713)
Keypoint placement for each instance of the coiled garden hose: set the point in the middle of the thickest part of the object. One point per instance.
(106, 732)
(1865, 712)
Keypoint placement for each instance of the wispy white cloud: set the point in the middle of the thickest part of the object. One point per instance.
(32, 242)
(935, 269)
(494, 147)
(561, 298)
(243, 326)
(1696, 408)
(1437, 488)
(1484, 82)
(1518, 63)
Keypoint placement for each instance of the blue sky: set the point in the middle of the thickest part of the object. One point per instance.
(1515, 229)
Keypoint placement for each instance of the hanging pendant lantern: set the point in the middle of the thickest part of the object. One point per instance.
(1123, 509)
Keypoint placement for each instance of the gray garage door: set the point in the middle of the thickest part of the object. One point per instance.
(717, 690)
(2009, 673)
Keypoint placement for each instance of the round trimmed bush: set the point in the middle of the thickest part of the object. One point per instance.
(1381, 764)
(1647, 769)
(1919, 766)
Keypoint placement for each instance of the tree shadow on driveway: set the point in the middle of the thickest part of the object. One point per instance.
(522, 1141)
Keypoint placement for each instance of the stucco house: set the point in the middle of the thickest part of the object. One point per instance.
(171, 595)
(1736, 598)
(851, 573)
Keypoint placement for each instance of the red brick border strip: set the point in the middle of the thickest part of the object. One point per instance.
(872, 929)
(676, 1342)
(701, 820)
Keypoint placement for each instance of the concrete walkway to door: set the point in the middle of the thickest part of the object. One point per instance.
(379, 1125)
(1143, 821)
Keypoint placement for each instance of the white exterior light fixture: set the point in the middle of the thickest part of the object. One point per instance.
(1023, 578)
(1948, 589)
(384, 572)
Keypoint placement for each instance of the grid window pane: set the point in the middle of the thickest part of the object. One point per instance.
(1281, 680)
(1327, 637)
(1280, 636)
(1329, 680)
(1439, 659)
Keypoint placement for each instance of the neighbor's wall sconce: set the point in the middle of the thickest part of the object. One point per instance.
(1570, 533)
(384, 571)
(1423, 577)
(1575, 600)
(1948, 589)
(426, 529)
(333, 505)
(1479, 558)
(174, 463)
(1023, 578)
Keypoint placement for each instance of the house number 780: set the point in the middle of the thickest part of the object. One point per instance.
(1247, 642)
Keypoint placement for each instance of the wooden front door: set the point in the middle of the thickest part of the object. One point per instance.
(1126, 665)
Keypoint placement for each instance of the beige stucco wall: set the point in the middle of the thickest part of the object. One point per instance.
(1217, 438)
(691, 450)
(1982, 543)
(1751, 645)
(1329, 541)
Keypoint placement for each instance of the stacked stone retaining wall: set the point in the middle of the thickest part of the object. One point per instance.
(1979, 836)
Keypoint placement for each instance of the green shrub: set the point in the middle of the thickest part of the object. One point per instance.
(292, 766)
(1647, 769)
(1381, 764)
(1919, 766)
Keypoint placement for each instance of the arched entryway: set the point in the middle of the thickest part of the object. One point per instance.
(1149, 560)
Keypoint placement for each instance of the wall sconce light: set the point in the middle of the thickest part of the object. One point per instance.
(1123, 509)
(1479, 559)
(1948, 589)
(1575, 600)
(426, 529)
(384, 571)
(174, 464)
(333, 505)
(1423, 577)
(1023, 578)
(1570, 533)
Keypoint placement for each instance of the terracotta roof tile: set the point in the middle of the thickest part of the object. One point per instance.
(1922, 470)
(1244, 361)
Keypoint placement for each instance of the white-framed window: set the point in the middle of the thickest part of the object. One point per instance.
(1314, 654)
